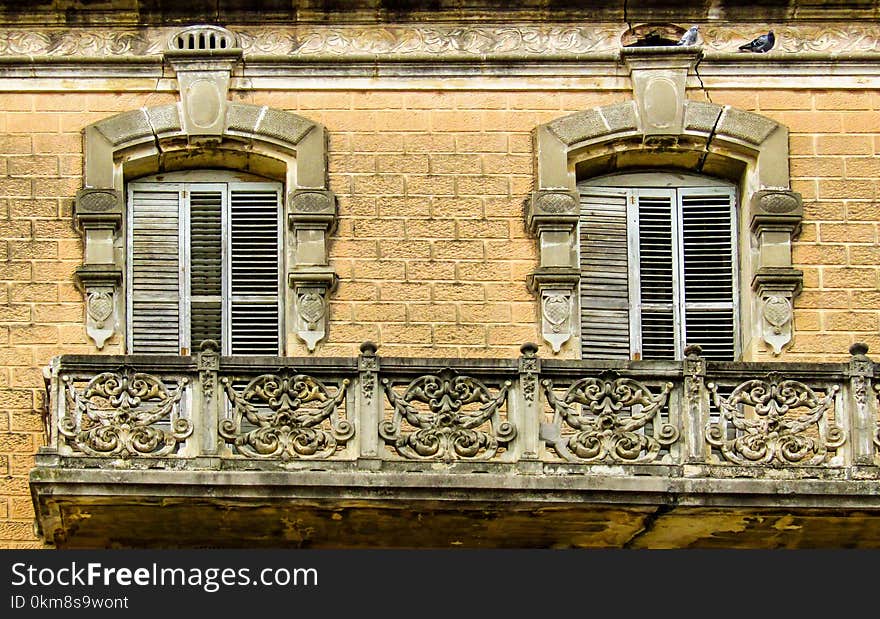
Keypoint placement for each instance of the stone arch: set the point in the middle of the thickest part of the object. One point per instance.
(258, 139)
(749, 149)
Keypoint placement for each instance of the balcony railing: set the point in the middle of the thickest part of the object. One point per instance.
(693, 418)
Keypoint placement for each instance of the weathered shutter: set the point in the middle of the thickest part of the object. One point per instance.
(154, 269)
(709, 251)
(254, 317)
(206, 206)
(657, 273)
(604, 281)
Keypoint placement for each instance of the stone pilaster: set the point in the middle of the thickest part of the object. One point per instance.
(775, 221)
(98, 216)
(312, 217)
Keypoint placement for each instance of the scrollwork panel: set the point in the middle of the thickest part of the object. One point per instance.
(447, 416)
(285, 416)
(773, 421)
(124, 413)
(609, 419)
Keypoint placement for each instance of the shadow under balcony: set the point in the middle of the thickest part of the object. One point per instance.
(211, 451)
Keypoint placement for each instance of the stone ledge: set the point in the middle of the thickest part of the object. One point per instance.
(166, 509)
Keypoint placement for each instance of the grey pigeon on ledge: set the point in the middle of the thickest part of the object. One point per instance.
(689, 37)
(763, 43)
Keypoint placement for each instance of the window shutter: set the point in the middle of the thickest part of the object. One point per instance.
(254, 269)
(154, 270)
(658, 276)
(206, 265)
(709, 273)
(604, 274)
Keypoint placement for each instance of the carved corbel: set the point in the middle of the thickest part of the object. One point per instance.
(98, 216)
(552, 215)
(311, 289)
(312, 217)
(557, 290)
(776, 219)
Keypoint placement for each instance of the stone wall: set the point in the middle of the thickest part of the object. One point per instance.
(431, 249)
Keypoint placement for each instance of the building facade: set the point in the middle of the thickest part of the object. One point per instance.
(439, 274)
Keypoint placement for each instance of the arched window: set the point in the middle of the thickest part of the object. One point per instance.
(658, 263)
(204, 262)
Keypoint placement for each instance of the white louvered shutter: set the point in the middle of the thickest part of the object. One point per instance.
(157, 288)
(255, 319)
(709, 252)
(604, 274)
(654, 225)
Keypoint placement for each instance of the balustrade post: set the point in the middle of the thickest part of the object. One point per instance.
(207, 399)
(696, 405)
(368, 403)
(862, 405)
(525, 410)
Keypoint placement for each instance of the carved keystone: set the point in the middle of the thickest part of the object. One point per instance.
(203, 58)
(659, 76)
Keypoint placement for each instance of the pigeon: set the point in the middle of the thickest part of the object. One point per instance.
(689, 37)
(763, 43)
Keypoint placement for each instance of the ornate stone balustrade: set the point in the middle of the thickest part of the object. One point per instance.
(529, 452)
(535, 415)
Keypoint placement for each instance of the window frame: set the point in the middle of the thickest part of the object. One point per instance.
(674, 186)
(224, 182)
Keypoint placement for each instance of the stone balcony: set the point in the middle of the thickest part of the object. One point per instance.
(211, 451)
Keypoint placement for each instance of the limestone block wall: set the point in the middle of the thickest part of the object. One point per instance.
(431, 248)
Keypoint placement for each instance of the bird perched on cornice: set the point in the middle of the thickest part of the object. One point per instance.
(689, 37)
(761, 44)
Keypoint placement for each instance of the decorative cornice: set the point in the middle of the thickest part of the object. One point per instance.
(528, 41)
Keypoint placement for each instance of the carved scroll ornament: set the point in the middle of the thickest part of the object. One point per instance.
(446, 416)
(775, 421)
(286, 416)
(610, 418)
(124, 414)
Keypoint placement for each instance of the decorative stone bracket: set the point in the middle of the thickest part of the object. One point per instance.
(312, 217)
(553, 217)
(98, 215)
(776, 218)
(557, 289)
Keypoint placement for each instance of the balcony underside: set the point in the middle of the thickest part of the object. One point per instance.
(502, 507)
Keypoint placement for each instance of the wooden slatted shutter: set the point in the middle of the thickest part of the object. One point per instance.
(604, 274)
(709, 253)
(654, 228)
(255, 256)
(157, 288)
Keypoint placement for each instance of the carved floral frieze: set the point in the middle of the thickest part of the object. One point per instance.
(538, 40)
